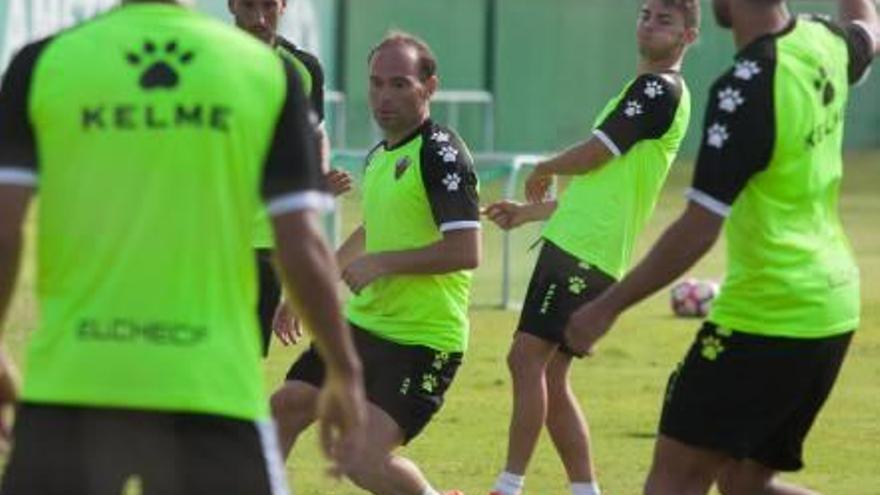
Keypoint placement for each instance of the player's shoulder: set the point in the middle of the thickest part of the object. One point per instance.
(441, 144)
(659, 85)
(826, 21)
(312, 63)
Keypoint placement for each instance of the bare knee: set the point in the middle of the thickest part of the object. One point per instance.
(527, 359)
(745, 477)
(368, 472)
(293, 405)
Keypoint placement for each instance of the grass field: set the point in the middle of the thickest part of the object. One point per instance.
(620, 388)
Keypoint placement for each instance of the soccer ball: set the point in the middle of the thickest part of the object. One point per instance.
(692, 297)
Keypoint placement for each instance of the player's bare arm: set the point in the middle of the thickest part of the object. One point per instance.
(13, 206)
(684, 243)
(458, 250)
(863, 12)
(579, 159)
(308, 268)
(508, 214)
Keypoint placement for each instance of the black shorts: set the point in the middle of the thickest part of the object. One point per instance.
(749, 396)
(407, 382)
(268, 296)
(95, 451)
(560, 284)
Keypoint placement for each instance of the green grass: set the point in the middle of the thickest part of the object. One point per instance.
(620, 388)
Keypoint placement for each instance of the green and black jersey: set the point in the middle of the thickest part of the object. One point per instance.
(312, 77)
(602, 212)
(413, 193)
(771, 162)
(151, 158)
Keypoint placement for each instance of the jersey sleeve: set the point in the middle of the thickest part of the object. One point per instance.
(317, 96)
(18, 149)
(738, 135)
(450, 181)
(859, 42)
(292, 178)
(647, 111)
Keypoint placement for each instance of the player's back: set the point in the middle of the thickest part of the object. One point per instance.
(791, 270)
(152, 123)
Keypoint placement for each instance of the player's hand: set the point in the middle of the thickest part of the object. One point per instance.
(361, 273)
(339, 181)
(342, 414)
(538, 185)
(506, 214)
(286, 325)
(587, 325)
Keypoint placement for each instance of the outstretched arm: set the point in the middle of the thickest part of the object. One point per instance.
(683, 244)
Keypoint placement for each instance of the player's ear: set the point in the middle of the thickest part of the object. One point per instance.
(691, 34)
(431, 84)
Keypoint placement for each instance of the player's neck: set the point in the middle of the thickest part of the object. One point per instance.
(671, 64)
(395, 138)
(750, 23)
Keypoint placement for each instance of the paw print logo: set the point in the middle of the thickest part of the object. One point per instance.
(746, 70)
(452, 182)
(712, 348)
(440, 360)
(730, 99)
(440, 137)
(717, 135)
(576, 285)
(404, 386)
(633, 108)
(429, 382)
(159, 64)
(824, 87)
(653, 89)
(448, 153)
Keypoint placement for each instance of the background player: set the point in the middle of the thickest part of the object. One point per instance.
(590, 236)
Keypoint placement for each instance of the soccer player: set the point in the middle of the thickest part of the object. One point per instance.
(409, 265)
(738, 408)
(618, 173)
(260, 18)
(148, 155)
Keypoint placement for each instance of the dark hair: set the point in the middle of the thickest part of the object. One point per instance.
(690, 9)
(426, 63)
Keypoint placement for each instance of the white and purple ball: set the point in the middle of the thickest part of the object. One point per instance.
(692, 297)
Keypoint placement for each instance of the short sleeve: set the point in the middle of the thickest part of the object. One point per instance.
(646, 111)
(860, 43)
(738, 134)
(450, 180)
(292, 178)
(18, 149)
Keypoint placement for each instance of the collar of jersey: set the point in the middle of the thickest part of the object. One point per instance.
(792, 23)
(405, 141)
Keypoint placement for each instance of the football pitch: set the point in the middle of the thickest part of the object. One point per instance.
(620, 387)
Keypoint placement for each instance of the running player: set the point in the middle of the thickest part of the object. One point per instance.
(589, 239)
(409, 266)
(740, 405)
(148, 155)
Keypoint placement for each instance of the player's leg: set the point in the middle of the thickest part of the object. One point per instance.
(527, 362)
(405, 387)
(378, 470)
(568, 427)
(818, 364)
(751, 478)
(294, 409)
(294, 403)
(269, 294)
(681, 469)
